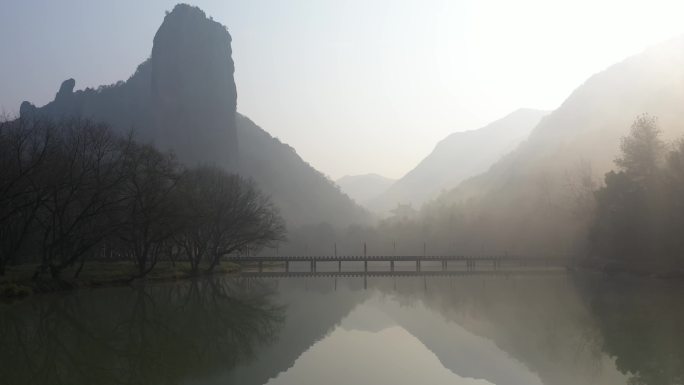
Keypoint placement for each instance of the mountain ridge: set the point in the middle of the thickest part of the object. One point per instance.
(567, 154)
(364, 187)
(458, 156)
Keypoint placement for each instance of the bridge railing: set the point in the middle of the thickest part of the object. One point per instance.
(470, 263)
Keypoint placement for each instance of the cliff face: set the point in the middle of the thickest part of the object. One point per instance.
(193, 93)
(183, 98)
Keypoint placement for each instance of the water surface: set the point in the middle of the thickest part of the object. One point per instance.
(538, 329)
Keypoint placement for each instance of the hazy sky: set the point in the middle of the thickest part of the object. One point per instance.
(355, 86)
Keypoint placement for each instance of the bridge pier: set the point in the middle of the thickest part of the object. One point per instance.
(418, 265)
(287, 266)
(261, 266)
(392, 265)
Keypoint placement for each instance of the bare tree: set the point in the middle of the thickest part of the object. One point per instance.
(24, 146)
(243, 218)
(225, 213)
(81, 193)
(147, 214)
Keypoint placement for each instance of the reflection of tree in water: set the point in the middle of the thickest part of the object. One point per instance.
(561, 328)
(159, 334)
(539, 321)
(642, 322)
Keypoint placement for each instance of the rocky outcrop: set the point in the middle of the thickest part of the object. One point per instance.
(183, 98)
(193, 93)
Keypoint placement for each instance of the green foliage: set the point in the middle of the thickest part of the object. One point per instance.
(620, 210)
(640, 210)
(642, 150)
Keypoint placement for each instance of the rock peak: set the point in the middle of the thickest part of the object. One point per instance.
(184, 10)
(66, 89)
(193, 92)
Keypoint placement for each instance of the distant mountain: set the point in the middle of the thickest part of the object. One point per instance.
(526, 201)
(183, 98)
(457, 157)
(362, 188)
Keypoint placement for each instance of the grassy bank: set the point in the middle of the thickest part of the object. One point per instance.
(18, 282)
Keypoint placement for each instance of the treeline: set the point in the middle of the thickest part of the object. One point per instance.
(72, 190)
(634, 219)
(639, 214)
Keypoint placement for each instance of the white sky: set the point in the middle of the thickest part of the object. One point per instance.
(355, 86)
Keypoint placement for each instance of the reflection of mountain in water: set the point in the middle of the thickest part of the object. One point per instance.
(517, 330)
(551, 330)
(313, 311)
(540, 322)
(504, 331)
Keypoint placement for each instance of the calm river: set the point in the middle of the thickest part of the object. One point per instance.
(535, 329)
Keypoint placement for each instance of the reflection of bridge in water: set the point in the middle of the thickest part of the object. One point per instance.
(349, 266)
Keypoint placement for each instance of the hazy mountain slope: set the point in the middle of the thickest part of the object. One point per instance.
(457, 157)
(303, 194)
(184, 99)
(362, 188)
(525, 201)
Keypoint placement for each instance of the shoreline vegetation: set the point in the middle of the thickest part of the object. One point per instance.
(18, 282)
(83, 206)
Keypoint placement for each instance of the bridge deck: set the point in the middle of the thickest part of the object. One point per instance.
(398, 258)
(349, 274)
(470, 263)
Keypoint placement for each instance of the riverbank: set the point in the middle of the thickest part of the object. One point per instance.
(18, 283)
(630, 268)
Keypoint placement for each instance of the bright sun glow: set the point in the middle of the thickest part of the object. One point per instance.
(435, 68)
